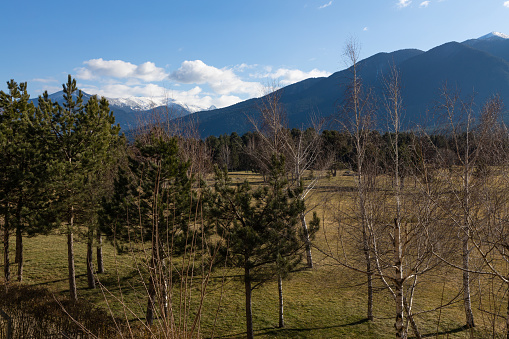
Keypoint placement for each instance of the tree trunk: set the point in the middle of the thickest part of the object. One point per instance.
(370, 293)
(398, 265)
(165, 298)
(100, 264)
(281, 303)
(249, 311)
(465, 248)
(410, 316)
(7, 274)
(307, 240)
(70, 258)
(507, 319)
(90, 260)
(369, 274)
(16, 257)
(151, 293)
(361, 189)
(466, 285)
(19, 252)
(399, 325)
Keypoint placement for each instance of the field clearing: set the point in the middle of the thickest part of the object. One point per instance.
(328, 301)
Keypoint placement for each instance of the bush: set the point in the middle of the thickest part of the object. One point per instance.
(37, 313)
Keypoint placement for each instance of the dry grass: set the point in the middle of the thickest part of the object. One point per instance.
(328, 301)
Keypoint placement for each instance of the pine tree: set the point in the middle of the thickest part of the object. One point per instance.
(23, 167)
(258, 227)
(154, 201)
(82, 137)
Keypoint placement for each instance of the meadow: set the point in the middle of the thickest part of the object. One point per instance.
(327, 301)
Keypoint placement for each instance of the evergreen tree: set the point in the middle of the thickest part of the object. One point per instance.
(154, 200)
(23, 170)
(82, 137)
(258, 227)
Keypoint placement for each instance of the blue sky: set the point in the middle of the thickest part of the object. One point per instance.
(218, 52)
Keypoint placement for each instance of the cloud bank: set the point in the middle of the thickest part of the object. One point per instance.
(96, 68)
(222, 81)
(291, 76)
(193, 83)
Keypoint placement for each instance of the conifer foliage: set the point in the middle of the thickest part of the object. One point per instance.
(154, 201)
(258, 227)
(23, 170)
(81, 136)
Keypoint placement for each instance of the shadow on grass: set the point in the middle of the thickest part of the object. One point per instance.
(55, 281)
(276, 331)
(454, 330)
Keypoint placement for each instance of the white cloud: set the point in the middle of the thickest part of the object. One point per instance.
(195, 96)
(424, 4)
(44, 80)
(222, 81)
(50, 89)
(404, 3)
(117, 90)
(242, 67)
(326, 5)
(506, 4)
(365, 29)
(193, 83)
(291, 76)
(96, 68)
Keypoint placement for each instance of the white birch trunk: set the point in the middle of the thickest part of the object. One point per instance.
(281, 302)
(307, 241)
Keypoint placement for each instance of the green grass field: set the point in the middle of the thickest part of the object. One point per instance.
(328, 301)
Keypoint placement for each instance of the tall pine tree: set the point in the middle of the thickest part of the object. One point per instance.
(154, 201)
(24, 151)
(82, 136)
(258, 227)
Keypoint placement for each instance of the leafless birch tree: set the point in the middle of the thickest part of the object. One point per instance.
(357, 118)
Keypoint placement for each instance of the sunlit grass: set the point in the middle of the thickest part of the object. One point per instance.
(328, 301)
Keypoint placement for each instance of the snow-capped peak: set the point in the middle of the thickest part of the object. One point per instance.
(147, 103)
(494, 35)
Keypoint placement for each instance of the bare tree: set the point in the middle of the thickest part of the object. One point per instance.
(466, 144)
(483, 201)
(357, 118)
(401, 251)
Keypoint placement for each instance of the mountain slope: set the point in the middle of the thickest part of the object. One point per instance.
(471, 71)
(495, 43)
(311, 97)
(476, 67)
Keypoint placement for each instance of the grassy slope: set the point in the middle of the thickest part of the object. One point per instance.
(326, 302)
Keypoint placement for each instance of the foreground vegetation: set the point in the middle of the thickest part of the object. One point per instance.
(320, 303)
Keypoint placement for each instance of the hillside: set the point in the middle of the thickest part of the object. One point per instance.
(478, 67)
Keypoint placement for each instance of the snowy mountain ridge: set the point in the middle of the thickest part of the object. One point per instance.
(140, 104)
(494, 35)
(148, 103)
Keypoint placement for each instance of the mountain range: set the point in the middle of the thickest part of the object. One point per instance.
(133, 110)
(476, 66)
